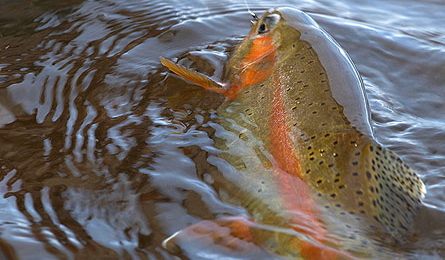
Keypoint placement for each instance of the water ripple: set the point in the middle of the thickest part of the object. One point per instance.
(102, 152)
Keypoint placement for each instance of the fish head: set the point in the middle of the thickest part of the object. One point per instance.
(257, 54)
(273, 37)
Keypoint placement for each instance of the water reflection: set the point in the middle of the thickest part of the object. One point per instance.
(102, 154)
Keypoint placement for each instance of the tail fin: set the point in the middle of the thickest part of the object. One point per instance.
(396, 190)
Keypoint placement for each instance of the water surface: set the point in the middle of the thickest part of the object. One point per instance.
(104, 153)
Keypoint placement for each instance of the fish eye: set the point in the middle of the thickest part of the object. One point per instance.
(269, 22)
(263, 28)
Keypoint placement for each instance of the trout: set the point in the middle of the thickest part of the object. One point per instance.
(329, 185)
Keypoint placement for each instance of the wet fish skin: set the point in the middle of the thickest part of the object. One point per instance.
(303, 94)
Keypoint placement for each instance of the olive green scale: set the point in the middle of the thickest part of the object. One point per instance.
(338, 157)
(360, 185)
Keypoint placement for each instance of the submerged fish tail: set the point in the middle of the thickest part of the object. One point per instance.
(395, 190)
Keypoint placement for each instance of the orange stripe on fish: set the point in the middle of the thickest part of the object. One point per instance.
(294, 191)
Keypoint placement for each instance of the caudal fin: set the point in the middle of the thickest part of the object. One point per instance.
(396, 190)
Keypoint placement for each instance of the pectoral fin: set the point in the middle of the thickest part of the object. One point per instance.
(194, 77)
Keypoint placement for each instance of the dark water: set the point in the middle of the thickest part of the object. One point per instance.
(103, 154)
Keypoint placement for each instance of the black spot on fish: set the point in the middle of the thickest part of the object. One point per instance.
(368, 174)
(333, 195)
(359, 192)
(355, 174)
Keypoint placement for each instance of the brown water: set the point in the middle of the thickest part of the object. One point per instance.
(103, 154)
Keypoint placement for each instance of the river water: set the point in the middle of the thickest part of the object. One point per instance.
(103, 153)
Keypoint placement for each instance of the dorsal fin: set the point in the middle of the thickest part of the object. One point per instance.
(194, 77)
(396, 190)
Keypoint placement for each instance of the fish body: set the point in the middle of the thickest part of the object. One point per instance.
(293, 88)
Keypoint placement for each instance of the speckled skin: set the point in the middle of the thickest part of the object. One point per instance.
(330, 136)
(297, 94)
